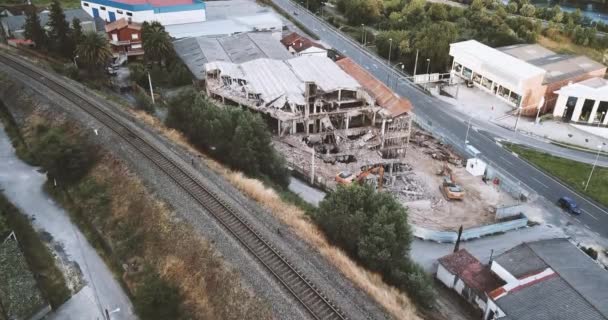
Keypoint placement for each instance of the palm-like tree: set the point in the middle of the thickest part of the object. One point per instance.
(156, 42)
(93, 50)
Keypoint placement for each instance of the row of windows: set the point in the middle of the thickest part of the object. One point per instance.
(86, 4)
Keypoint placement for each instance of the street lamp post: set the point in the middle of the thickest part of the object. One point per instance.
(390, 48)
(363, 33)
(416, 63)
(75, 64)
(428, 77)
(599, 148)
(517, 120)
(466, 137)
(151, 90)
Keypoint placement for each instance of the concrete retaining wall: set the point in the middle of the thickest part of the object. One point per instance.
(508, 211)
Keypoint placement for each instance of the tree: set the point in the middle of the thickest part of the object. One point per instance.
(76, 31)
(512, 7)
(369, 225)
(433, 41)
(527, 10)
(33, 29)
(556, 14)
(59, 31)
(93, 50)
(156, 43)
(437, 12)
(399, 47)
(477, 5)
(362, 11)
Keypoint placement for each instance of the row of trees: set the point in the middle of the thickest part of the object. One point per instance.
(415, 25)
(234, 136)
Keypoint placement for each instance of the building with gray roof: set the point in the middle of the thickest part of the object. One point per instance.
(15, 25)
(548, 280)
(239, 48)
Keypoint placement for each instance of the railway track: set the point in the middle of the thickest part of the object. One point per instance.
(296, 282)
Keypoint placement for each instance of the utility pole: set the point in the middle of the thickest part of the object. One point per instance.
(466, 137)
(599, 148)
(428, 77)
(312, 167)
(544, 102)
(363, 33)
(517, 120)
(151, 90)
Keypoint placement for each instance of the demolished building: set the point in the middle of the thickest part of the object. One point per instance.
(339, 110)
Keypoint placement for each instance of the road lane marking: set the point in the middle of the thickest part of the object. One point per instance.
(505, 160)
(586, 226)
(589, 213)
(577, 220)
(597, 233)
(542, 184)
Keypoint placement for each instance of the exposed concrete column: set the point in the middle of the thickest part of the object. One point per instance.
(578, 109)
(605, 118)
(383, 126)
(339, 94)
(594, 111)
(347, 122)
(293, 127)
(279, 127)
(307, 123)
(560, 105)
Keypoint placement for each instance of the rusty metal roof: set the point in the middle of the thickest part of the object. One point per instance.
(385, 97)
(474, 274)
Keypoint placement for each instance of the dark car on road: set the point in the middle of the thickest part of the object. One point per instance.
(569, 205)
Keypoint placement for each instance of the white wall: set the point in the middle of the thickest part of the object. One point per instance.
(165, 18)
(491, 306)
(314, 51)
(445, 276)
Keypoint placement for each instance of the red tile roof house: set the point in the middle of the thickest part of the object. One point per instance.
(464, 274)
(301, 46)
(125, 38)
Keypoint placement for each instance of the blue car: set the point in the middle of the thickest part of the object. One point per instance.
(569, 205)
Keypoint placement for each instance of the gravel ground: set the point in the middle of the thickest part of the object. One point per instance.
(353, 301)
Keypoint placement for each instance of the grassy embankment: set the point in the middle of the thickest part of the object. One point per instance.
(572, 173)
(166, 267)
(39, 257)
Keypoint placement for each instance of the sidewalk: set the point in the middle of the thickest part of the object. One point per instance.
(483, 106)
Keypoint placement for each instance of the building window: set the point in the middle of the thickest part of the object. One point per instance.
(119, 11)
(466, 72)
(587, 108)
(129, 14)
(102, 8)
(136, 46)
(134, 36)
(86, 4)
(487, 83)
(457, 67)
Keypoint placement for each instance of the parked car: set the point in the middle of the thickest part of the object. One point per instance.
(569, 205)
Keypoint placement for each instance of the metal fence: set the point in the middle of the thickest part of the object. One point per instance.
(468, 234)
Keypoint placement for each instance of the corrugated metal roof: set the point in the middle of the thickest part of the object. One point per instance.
(196, 52)
(255, 22)
(578, 293)
(323, 72)
(385, 97)
(474, 274)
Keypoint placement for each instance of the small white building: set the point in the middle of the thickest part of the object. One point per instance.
(166, 12)
(298, 45)
(583, 102)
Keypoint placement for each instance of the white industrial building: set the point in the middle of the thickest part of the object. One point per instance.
(583, 102)
(165, 12)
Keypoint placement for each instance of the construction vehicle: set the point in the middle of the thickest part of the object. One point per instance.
(346, 178)
(450, 189)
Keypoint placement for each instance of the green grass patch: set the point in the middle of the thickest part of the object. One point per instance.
(37, 254)
(572, 173)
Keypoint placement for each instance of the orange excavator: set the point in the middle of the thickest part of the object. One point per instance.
(346, 178)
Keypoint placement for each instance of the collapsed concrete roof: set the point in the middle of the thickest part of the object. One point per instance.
(280, 81)
(385, 97)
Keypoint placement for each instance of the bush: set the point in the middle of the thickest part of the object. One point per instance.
(156, 298)
(143, 100)
(234, 136)
(65, 158)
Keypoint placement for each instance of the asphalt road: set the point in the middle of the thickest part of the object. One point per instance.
(450, 125)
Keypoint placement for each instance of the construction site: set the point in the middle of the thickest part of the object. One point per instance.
(337, 123)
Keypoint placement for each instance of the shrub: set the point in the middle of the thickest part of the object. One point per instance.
(156, 298)
(142, 100)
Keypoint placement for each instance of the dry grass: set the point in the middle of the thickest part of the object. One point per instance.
(395, 302)
(563, 44)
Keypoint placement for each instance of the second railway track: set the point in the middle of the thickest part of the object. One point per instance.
(302, 289)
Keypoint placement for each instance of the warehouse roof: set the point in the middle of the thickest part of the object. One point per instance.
(494, 62)
(558, 66)
(15, 23)
(576, 291)
(385, 97)
(279, 81)
(255, 22)
(196, 52)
